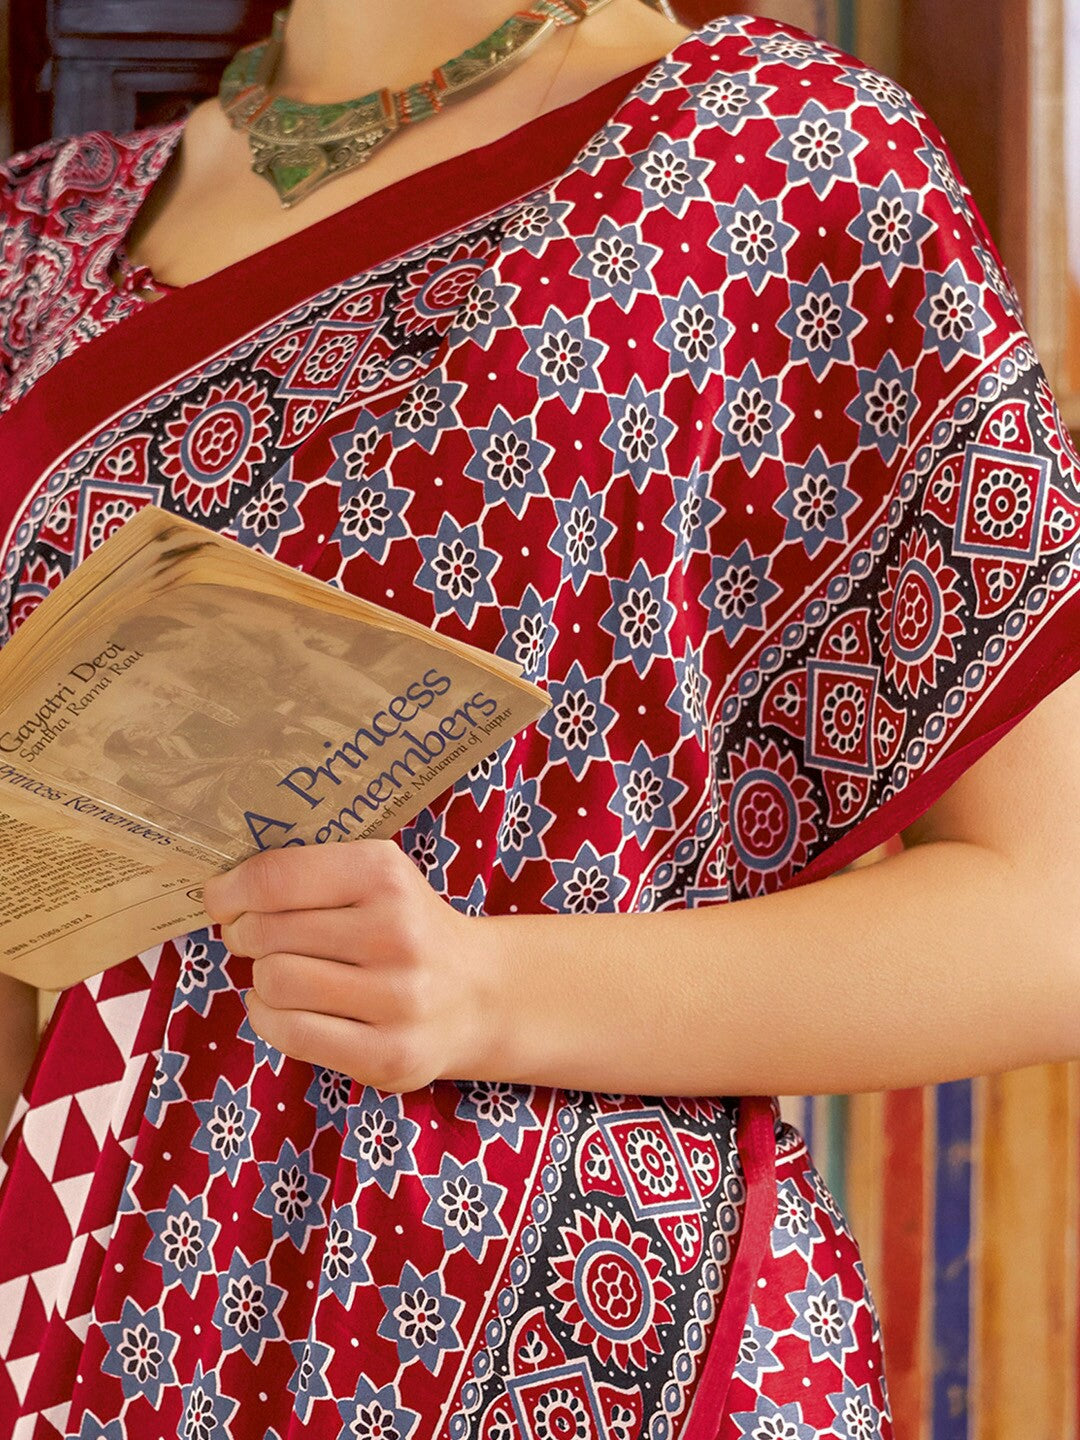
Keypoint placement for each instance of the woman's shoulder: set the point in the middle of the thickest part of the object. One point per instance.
(742, 68)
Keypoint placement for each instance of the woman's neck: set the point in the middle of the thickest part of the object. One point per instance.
(339, 49)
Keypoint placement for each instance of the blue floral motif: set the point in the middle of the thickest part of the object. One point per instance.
(646, 791)
(603, 146)
(473, 903)
(329, 1093)
(639, 617)
(638, 433)
(795, 1227)
(485, 311)
(528, 633)
(202, 972)
(616, 261)
(669, 174)
(379, 1137)
(738, 592)
(376, 1412)
(246, 1311)
(587, 885)
(370, 516)
(523, 824)
(291, 1194)
(508, 460)
(891, 226)
(426, 411)
(429, 847)
(687, 700)
(308, 1381)
(753, 237)
(456, 569)
(354, 447)
(756, 1355)
(488, 774)
(1001, 284)
(889, 97)
(420, 1317)
(857, 1417)
(816, 502)
(693, 512)
(952, 315)
(577, 721)
(664, 75)
(271, 513)
(818, 146)
(163, 1087)
(728, 100)
(94, 1429)
(821, 323)
(769, 1421)
(535, 223)
(499, 1110)
(562, 358)
(206, 1411)
(694, 333)
(464, 1205)
(943, 177)
(139, 1350)
(885, 406)
(794, 50)
(583, 532)
(824, 1317)
(343, 1265)
(752, 419)
(226, 1126)
(183, 1240)
(264, 1052)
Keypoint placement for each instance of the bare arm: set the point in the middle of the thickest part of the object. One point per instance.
(18, 1041)
(958, 956)
(933, 964)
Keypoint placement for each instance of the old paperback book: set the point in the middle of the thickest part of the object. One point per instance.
(180, 702)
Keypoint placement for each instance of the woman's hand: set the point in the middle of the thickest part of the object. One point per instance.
(358, 964)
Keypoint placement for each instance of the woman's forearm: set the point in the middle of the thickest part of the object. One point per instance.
(944, 960)
(18, 1041)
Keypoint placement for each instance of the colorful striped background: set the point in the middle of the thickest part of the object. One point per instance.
(964, 1199)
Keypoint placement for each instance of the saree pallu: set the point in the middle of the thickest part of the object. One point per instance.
(727, 429)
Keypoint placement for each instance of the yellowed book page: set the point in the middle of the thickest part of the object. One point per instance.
(71, 905)
(238, 722)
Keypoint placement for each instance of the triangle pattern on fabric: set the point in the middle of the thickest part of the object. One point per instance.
(100, 1059)
(11, 1299)
(42, 1132)
(79, 1148)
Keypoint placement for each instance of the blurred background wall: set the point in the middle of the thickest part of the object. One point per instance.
(964, 1196)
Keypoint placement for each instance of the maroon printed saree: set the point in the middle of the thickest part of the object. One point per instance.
(726, 428)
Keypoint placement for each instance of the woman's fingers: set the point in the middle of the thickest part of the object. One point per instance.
(285, 982)
(389, 1059)
(345, 935)
(306, 877)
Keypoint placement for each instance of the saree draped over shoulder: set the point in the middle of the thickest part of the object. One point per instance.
(724, 424)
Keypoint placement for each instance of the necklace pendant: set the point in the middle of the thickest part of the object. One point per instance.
(298, 146)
